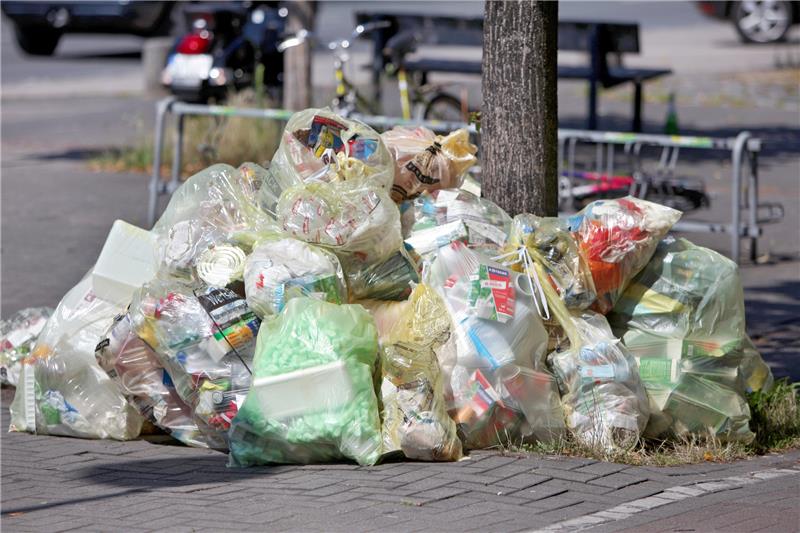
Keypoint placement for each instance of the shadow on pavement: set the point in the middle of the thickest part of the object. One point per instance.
(174, 472)
(93, 56)
(73, 154)
(764, 314)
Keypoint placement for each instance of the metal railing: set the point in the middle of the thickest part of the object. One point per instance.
(745, 221)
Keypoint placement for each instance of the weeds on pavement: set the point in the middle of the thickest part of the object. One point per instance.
(775, 420)
(775, 417)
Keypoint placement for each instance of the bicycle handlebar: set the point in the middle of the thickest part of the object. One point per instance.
(304, 35)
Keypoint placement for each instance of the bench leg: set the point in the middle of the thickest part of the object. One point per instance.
(637, 106)
(592, 105)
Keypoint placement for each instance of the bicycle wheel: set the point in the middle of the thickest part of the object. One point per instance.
(444, 106)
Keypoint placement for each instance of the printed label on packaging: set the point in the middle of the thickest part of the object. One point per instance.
(325, 138)
(486, 231)
(597, 372)
(237, 324)
(361, 149)
(658, 370)
(422, 164)
(491, 294)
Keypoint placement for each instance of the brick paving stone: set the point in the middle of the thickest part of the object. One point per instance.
(568, 512)
(602, 469)
(569, 475)
(487, 463)
(543, 490)
(454, 503)
(557, 501)
(617, 481)
(509, 470)
(523, 481)
(166, 487)
(573, 486)
(441, 493)
(639, 490)
(427, 484)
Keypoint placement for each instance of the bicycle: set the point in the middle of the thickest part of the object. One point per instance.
(427, 100)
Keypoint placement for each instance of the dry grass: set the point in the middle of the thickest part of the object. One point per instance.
(775, 421)
(648, 452)
(207, 140)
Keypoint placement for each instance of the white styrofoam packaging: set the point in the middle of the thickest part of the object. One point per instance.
(129, 259)
(310, 390)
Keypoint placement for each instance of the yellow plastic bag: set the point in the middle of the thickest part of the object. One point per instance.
(415, 419)
(427, 162)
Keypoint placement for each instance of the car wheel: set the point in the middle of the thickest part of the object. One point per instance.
(37, 41)
(762, 21)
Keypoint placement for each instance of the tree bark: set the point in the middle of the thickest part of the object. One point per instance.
(519, 116)
(297, 60)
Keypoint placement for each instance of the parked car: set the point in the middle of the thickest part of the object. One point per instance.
(38, 26)
(756, 21)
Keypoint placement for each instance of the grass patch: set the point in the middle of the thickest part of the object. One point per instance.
(648, 452)
(207, 140)
(775, 419)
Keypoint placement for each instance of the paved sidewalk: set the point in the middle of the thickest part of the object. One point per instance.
(58, 484)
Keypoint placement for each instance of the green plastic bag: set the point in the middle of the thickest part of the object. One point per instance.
(683, 319)
(312, 398)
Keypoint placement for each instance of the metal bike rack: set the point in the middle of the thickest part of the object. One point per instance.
(745, 220)
(748, 215)
(171, 106)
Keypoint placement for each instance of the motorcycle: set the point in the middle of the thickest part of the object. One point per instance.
(225, 44)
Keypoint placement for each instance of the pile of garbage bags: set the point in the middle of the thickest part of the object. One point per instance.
(352, 302)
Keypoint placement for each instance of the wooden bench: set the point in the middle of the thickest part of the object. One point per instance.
(597, 39)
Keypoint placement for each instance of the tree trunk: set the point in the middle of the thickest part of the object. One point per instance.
(297, 59)
(519, 117)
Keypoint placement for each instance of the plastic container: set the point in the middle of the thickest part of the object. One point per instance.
(129, 259)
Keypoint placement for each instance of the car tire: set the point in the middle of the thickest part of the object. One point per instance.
(762, 21)
(37, 41)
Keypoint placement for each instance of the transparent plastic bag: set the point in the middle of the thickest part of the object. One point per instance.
(204, 337)
(415, 419)
(205, 232)
(388, 280)
(425, 161)
(318, 145)
(497, 387)
(604, 401)
(18, 335)
(386, 314)
(61, 389)
(313, 393)
(447, 215)
(683, 318)
(279, 269)
(548, 242)
(361, 225)
(618, 238)
(133, 366)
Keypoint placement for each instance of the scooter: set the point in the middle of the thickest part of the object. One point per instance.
(225, 44)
